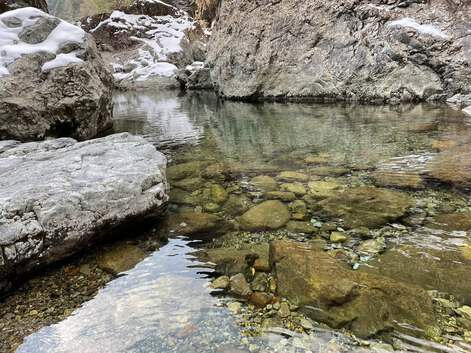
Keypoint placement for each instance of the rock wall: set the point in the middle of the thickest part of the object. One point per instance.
(351, 50)
(53, 82)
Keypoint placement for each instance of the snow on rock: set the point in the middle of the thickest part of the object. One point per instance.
(426, 29)
(18, 38)
(161, 37)
(145, 47)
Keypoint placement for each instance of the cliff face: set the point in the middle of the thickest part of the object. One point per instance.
(354, 49)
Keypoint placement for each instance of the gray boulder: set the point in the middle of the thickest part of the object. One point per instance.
(351, 50)
(53, 82)
(61, 195)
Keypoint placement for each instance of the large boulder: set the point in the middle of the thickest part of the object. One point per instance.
(358, 50)
(331, 292)
(61, 195)
(8, 5)
(53, 82)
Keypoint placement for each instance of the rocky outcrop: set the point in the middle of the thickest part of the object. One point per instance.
(59, 196)
(350, 50)
(8, 5)
(330, 292)
(53, 82)
(147, 42)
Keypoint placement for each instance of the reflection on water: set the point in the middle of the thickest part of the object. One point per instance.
(240, 131)
(165, 304)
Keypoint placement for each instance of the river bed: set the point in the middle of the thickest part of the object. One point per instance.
(166, 303)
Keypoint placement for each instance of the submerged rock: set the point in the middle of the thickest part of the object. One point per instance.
(453, 166)
(264, 183)
(59, 196)
(332, 293)
(367, 206)
(120, 258)
(268, 215)
(195, 223)
(53, 82)
(353, 50)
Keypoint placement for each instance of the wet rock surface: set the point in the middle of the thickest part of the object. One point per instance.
(343, 298)
(353, 50)
(58, 87)
(367, 206)
(59, 196)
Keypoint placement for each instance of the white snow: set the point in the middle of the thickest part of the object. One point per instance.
(60, 61)
(423, 29)
(161, 37)
(196, 65)
(12, 48)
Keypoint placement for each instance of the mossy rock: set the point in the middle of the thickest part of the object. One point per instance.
(185, 170)
(367, 206)
(264, 183)
(237, 205)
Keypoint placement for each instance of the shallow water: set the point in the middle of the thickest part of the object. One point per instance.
(165, 304)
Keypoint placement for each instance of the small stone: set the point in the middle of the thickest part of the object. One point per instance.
(280, 195)
(338, 237)
(372, 246)
(260, 299)
(296, 188)
(293, 176)
(300, 227)
(239, 285)
(221, 282)
(235, 307)
(306, 324)
(120, 258)
(211, 207)
(284, 311)
(268, 215)
(264, 183)
(323, 189)
(33, 313)
(218, 194)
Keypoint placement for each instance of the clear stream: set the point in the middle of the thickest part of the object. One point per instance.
(165, 303)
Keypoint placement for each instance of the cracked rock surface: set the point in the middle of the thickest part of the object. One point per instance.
(351, 50)
(59, 196)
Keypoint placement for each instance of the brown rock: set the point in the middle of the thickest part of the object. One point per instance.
(363, 302)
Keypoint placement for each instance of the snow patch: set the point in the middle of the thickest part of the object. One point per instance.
(161, 37)
(12, 48)
(423, 29)
(467, 110)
